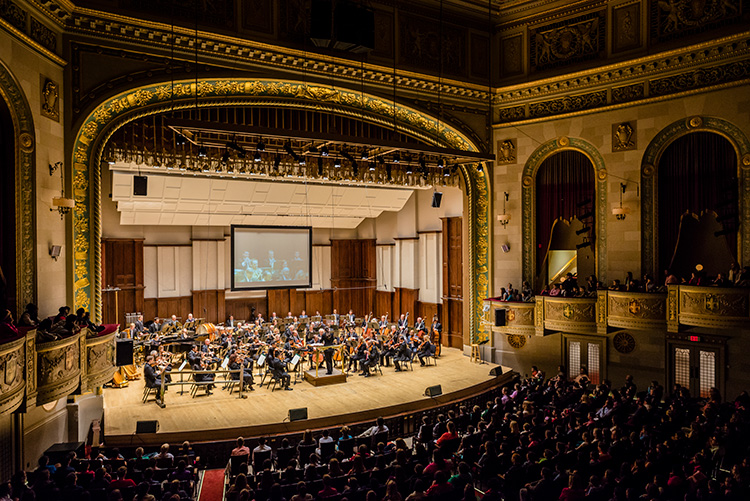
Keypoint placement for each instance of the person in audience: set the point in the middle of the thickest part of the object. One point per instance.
(328, 489)
(7, 329)
(670, 278)
(30, 316)
(554, 290)
(261, 447)
(164, 452)
(241, 449)
(720, 281)
(379, 427)
(121, 482)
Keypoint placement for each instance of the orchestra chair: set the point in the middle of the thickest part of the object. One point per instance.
(258, 460)
(197, 384)
(430, 357)
(147, 390)
(275, 379)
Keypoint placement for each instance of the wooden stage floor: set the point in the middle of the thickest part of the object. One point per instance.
(221, 416)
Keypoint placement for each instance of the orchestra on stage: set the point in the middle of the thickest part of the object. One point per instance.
(278, 347)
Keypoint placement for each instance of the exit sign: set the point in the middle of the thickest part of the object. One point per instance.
(694, 339)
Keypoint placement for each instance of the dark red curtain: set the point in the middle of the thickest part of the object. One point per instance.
(564, 189)
(697, 173)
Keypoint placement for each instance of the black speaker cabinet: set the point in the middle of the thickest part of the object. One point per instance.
(436, 198)
(298, 414)
(140, 186)
(496, 371)
(433, 391)
(147, 426)
(500, 317)
(124, 352)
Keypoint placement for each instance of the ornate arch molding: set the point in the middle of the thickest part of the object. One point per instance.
(649, 186)
(117, 110)
(528, 195)
(25, 189)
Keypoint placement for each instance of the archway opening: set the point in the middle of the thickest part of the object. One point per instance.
(7, 210)
(698, 204)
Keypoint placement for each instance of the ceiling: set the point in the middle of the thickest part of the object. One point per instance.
(193, 200)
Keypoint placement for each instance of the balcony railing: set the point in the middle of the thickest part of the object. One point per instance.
(34, 373)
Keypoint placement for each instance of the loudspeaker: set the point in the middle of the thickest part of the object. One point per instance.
(147, 426)
(433, 391)
(298, 414)
(124, 352)
(500, 317)
(140, 186)
(496, 371)
(505, 247)
(54, 251)
(436, 198)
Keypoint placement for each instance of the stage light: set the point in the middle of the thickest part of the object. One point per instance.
(583, 230)
(586, 215)
(441, 163)
(585, 243)
(372, 166)
(202, 152)
(256, 157)
(364, 156)
(480, 168)
(409, 170)
(301, 161)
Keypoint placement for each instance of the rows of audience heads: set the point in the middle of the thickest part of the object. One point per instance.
(63, 324)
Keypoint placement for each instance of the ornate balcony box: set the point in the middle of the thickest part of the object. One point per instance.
(712, 307)
(519, 317)
(12, 374)
(99, 364)
(634, 310)
(562, 314)
(59, 367)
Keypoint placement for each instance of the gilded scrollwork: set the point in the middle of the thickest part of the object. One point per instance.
(627, 93)
(671, 18)
(567, 104)
(564, 42)
(506, 152)
(50, 99)
(623, 136)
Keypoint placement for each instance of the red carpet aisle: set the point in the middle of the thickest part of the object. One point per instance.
(212, 486)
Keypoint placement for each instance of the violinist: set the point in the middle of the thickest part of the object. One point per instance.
(203, 377)
(425, 349)
(194, 355)
(236, 363)
(153, 377)
(207, 353)
(372, 355)
(278, 369)
(403, 354)
(358, 355)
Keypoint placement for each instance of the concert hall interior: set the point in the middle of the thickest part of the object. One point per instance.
(216, 215)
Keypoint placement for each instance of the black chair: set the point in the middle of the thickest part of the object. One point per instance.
(379, 437)
(283, 456)
(347, 446)
(258, 458)
(327, 450)
(164, 463)
(235, 462)
(304, 453)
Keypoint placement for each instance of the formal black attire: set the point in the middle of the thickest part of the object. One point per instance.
(247, 374)
(278, 368)
(152, 378)
(204, 377)
(328, 352)
(403, 354)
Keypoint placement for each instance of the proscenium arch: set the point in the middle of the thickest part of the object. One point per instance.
(117, 110)
(651, 157)
(25, 187)
(528, 196)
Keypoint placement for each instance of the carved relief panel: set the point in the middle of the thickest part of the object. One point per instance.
(420, 45)
(568, 41)
(12, 358)
(626, 27)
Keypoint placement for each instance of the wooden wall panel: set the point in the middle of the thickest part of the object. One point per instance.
(452, 296)
(122, 267)
(209, 304)
(384, 304)
(321, 301)
(353, 275)
(244, 308)
(296, 302)
(405, 300)
(454, 331)
(427, 311)
(278, 301)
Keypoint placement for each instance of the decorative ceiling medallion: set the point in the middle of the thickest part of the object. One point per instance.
(624, 343)
(695, 122)
(26, 141)
(517, 341)
(563, 141)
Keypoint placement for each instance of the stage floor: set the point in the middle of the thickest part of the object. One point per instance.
(222, 416)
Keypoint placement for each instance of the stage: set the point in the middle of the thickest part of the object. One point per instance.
(222, 416)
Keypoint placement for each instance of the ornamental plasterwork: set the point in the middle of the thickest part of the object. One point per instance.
(624, 136)
(102, 121)
(649, 183)
(25, 190)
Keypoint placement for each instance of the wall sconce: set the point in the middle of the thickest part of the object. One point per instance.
(61, 204)
(619, 212)
(504, 218)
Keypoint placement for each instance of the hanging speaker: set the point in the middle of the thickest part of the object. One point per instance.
(500, 317)
(124, 352)
(140, 186)
(437, 197)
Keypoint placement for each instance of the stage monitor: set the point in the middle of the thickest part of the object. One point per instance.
(268, 257)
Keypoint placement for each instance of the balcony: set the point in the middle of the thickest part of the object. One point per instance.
(519, 317)
(35, 374)
(562, 314)
(712, 307)
(634, 310)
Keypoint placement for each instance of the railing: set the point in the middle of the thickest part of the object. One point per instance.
(576, 315)
(633, 310)
(34, 373)
(519, 317)
(713, 307)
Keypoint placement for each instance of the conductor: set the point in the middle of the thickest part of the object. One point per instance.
(327, 338)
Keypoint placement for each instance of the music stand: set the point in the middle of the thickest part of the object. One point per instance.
(182, 366)
(296, 362)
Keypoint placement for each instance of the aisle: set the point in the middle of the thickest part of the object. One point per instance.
(212, 485)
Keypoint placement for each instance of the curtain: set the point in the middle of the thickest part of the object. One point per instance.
(564, 189)
(697, 173)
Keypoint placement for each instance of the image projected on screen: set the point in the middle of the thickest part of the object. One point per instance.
(265, 257)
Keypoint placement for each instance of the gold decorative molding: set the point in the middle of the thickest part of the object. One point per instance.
(59, 370)
(12, 375)
(630, 310)
(50, 99)
(574, 315)
(714, 307)
(624, 136)
(99, 361)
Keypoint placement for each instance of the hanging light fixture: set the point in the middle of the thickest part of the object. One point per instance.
(504, 218)
(620, 212)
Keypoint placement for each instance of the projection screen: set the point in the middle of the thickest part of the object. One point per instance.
(267, 257)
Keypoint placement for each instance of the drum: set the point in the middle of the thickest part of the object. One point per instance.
(207, 329)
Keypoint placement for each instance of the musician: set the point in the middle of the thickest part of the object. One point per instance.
(231, 322)
(403, 355)
(273, 317)
(372, 355)
(437, 331)
(358, 355)
(336, 318)
(425, 349)
(155, 326)
(419, 326)
(152, 378)
(203, 377)
(194, 355)
(207, 353)
(289, 315)
(303, 315)
(327, 337)
(402, 322)
(383, 322)
(350, 318)
(247, 373)
(138, 326)
(277, 365)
